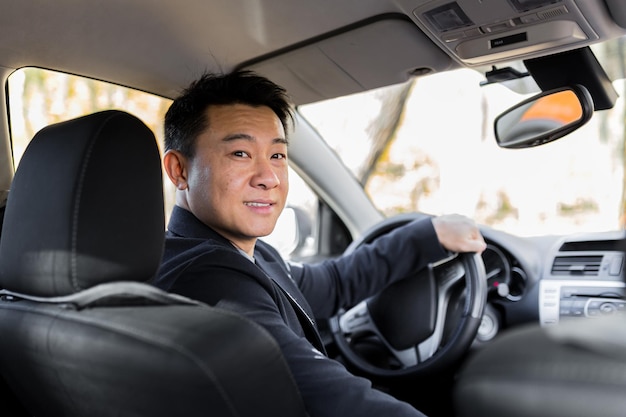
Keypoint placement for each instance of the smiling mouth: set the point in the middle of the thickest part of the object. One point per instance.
(258, 204)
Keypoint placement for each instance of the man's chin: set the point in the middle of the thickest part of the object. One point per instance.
(261, 231)
(264, 234)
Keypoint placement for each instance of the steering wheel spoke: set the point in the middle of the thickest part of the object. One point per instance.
(447, 275)
(422, 323)
(357, 320)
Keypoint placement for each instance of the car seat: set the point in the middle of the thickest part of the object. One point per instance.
(82, 331)
(576, 368)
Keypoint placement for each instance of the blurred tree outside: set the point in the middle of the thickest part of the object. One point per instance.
(380, 170)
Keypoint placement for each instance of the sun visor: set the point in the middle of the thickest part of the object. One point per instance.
(371, 55)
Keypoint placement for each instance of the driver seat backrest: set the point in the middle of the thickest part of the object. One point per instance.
(83, 333)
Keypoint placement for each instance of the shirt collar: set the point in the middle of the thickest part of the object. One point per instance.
(184, 223)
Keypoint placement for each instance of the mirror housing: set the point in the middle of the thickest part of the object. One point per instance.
(291, 232)
(543, 118)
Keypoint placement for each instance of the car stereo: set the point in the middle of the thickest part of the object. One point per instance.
(584, 283)
(582, 296)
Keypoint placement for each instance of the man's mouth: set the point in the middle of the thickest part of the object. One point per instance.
(253, 204)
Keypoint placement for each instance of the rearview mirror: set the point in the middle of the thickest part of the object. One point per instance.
(544, 118)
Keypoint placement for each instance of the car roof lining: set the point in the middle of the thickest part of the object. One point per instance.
(181, 47)
(388, 49)
(617, 10)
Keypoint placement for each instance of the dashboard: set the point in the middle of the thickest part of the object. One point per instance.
(548, 279)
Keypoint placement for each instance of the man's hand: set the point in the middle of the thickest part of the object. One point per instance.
(458, 233)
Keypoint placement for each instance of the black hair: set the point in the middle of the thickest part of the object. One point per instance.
(187, 117)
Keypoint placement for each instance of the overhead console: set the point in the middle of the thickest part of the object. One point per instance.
(480, 32)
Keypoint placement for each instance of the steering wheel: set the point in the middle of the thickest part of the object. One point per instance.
(416, 326)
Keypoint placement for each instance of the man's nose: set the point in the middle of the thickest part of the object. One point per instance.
(265, 175)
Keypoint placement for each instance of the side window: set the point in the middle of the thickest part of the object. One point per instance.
(39, 97)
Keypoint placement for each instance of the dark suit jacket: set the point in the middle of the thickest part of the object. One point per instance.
(286, 298)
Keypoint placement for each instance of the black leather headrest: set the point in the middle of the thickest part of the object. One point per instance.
(85, 207)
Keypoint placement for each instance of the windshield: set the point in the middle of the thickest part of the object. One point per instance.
(429, 146)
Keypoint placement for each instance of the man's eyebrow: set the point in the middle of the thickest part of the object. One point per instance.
(246, 137)
(237, 136)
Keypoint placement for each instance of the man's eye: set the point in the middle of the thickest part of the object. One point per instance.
(241, 154)
(279, 156)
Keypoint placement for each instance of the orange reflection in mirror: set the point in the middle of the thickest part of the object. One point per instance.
(563, 107)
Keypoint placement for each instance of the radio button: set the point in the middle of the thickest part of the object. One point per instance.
(608, 308)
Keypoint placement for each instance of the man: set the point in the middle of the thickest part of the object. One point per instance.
(226, 153)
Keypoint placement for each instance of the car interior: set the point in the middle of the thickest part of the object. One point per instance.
(91, 313)
(534, 326)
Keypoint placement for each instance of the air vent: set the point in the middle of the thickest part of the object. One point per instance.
(550, 14)
(576, 265)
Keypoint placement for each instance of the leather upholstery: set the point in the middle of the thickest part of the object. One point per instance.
(83, 334)
(88, 197)
(576, 368)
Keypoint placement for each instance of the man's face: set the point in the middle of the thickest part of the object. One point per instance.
(237, 179)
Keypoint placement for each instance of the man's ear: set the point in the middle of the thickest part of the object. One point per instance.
(175, 165)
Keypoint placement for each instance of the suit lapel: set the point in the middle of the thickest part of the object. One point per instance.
(280, 277)
(184, 223)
